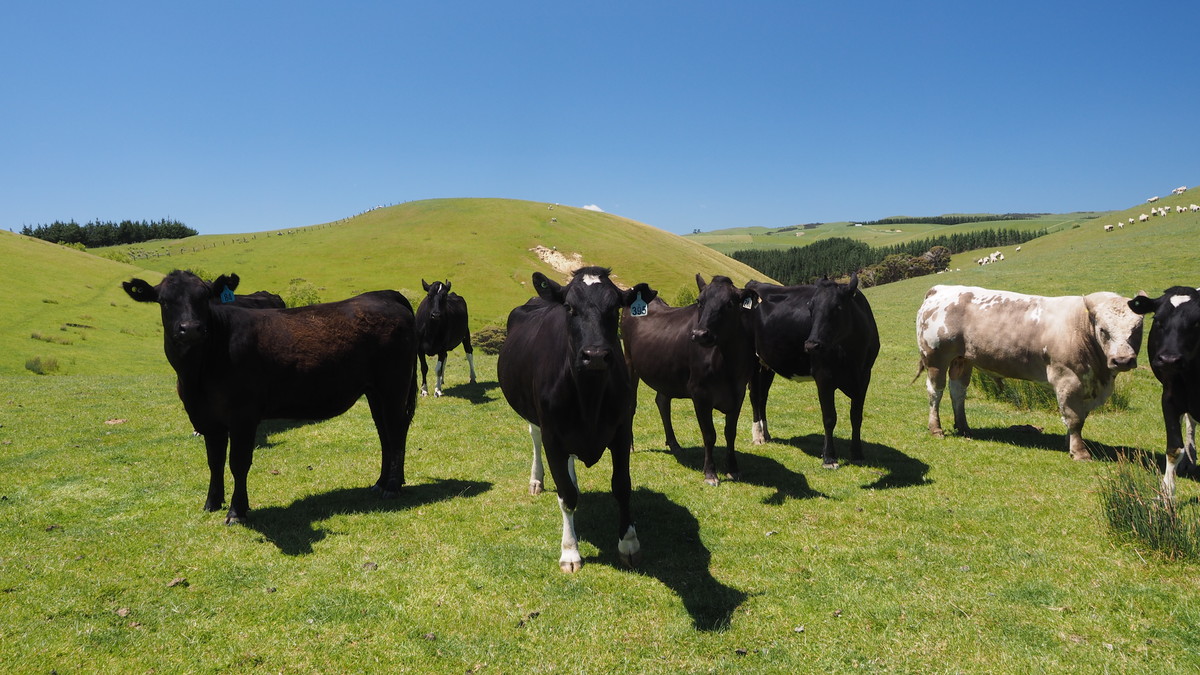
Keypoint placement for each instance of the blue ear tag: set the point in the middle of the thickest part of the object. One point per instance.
(638, 307)
(226, 296)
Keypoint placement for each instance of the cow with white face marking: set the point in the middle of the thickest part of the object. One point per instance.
(1078, 344)
(441, 326)
(562, 369)
(1174, 351)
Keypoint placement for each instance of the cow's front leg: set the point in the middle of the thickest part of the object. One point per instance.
(825, 393)
(1073, 408)
(439, 369)
(629, 549)
(424, 373)
(214, 446)
(760, 386)
(708, 434)
(857, 402)
(241, 456)
(561, 467)
(1176, 450)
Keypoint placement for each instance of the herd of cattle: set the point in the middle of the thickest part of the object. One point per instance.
(574, 355)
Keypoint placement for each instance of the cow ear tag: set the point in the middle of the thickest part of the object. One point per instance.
(748, 303)
(226, 296)
(638, 307)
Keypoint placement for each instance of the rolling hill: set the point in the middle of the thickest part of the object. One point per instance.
(487, 248)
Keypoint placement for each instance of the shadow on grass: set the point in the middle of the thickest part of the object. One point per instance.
(901, 470)
(293, 527)
(671, 548)
(755, 470)
(267, 428)
(479, 392)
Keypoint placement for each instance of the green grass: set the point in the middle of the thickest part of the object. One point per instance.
(986, 555)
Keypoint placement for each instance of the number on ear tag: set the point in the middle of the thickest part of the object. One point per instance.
(638, 307)
(748, 303)
(226, 296)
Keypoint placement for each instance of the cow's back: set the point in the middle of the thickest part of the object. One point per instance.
(658, 346)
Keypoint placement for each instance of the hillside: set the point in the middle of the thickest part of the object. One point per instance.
(485, 247)
(736, 239)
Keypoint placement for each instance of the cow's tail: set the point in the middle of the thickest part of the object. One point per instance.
(920, 369)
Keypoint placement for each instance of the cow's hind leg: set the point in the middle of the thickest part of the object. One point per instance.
(857, 402)
(470, 355)
(215, 443)
(537, 472)
(241, 456)
(960, 379)
(664, 411)
(392, 418)
(760, 386)
(424, 373)
(935, 384)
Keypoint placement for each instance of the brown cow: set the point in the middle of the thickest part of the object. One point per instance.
(1076, 343)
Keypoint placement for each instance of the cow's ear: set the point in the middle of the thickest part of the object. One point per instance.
(424, 285)
(749, 298)
(140, 290)
(1142, 304)
(647, 294)
(225, 281)
(547, 289)
(447, 285)
(700, 282)
(853, 285)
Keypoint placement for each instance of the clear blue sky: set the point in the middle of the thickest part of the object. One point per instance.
(258, 115)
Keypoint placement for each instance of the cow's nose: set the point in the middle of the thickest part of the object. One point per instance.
(703, 337)
(813, 346)
(189, 331)
(1121, 363)
(596, 358)
(435, 315)
(1167, 360)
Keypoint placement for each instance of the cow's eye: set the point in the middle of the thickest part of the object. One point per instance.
(570, 310)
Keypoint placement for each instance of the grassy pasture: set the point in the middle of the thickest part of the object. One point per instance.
(985, 555)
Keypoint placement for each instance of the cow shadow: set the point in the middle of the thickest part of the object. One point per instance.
(475, 393)
(1027, 436)
(755, 470)
(293, 528)
(902, 471)
(268, 428)
(672, 552)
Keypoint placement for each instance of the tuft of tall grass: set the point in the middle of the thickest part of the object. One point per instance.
(1138, 510)
(1025, 395)
(42, 365)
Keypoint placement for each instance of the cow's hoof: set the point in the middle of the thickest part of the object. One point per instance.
(829, 465)
(674, 447)
(211, 506)
(631, 560)
(389, 494)
(535, 487)
(712, 480)
(233, 519)
(437, 393)
(570, 566)
(1081, 456)
(937, 433)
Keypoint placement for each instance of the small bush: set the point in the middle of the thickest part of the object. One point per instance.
(42, 366)
(686, 296)
(54, 339)
(301, 293)
(1138, 510)
(489, 339)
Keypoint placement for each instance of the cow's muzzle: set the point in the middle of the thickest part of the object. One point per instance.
(814, 346)
(1167, 361)
(595, 358)
(703, 337)
(1121, 364)
(189, 332)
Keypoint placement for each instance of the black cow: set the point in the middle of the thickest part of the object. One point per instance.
(1175, 359)
(238, 366)
(441, 325)
(704, 352)
(824, 332)
(561, 368)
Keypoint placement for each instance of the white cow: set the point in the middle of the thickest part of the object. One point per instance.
(1076, 343)
(1143, 218)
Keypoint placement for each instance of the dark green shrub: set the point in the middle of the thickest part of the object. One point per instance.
(489, 339)
(42, 366)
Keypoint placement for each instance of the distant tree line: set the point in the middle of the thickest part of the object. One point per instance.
(953, 220)
(839, 257)
(97, 233)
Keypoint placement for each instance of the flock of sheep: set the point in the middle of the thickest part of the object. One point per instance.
(1158, 210)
